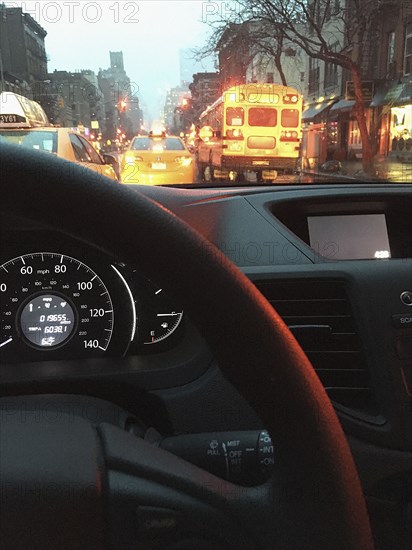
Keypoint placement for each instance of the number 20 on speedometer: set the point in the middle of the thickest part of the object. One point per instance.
(50, 301)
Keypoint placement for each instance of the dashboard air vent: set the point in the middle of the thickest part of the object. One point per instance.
(319, 314)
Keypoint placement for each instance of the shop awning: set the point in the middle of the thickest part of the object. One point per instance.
(397, 94)
(405, 95)
(344, 105)
(314, 109)
(389, 97)
(381, 94)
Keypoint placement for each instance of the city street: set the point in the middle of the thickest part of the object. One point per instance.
(351, 173)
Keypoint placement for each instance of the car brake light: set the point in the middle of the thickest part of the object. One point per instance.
(185, 161)
(131, 159)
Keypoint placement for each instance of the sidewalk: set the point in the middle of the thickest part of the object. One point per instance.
(394, 171)
(351, 171)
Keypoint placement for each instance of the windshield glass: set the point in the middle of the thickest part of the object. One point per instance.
(262, 91)
(40, 140)
(148, 144)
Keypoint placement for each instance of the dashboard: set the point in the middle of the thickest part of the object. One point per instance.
(334, 261)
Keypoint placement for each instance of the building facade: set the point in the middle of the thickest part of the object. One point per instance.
(205, 89)
(79, 98)
(174, 100)
(383, 53)
(324, 123)
(233, 55)
(120, 101)
(262, 68)
(188, 65)
(23, 59)
(394, 72)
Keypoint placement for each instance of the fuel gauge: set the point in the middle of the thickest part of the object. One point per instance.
(161, 319)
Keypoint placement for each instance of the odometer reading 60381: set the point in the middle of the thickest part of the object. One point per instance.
(49, 301)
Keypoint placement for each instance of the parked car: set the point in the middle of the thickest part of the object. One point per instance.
(23, 122)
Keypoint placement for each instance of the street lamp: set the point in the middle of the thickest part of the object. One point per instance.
(122, 106)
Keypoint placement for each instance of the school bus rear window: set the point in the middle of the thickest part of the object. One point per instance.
(290, 118)
(235, 116)
(262, 116)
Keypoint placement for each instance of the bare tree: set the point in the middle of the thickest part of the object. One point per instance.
(254, 38)
(262, 41)
(333, 31)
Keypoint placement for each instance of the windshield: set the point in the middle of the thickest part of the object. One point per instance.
(148, 144)
(40, 140)
(259, 91)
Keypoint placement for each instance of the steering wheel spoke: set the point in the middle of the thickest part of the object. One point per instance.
(156, 497)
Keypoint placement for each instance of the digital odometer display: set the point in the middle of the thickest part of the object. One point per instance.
(51, 301)
(47, 320)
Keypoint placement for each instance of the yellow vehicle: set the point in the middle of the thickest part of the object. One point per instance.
(23, 122)
(254, 127)
(157, 159)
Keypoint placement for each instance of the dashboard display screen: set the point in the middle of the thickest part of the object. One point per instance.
(349, 237)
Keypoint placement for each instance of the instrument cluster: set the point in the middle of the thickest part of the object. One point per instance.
(72, 302)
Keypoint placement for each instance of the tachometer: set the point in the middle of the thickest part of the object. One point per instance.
(49, 301)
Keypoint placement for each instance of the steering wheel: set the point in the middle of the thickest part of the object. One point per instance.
(80, 485)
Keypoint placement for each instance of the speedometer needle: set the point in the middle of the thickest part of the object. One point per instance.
(6, 342)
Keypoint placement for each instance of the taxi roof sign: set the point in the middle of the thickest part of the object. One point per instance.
(157, 134)
(17, 111)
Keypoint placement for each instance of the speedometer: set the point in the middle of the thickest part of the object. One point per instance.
(49, 301)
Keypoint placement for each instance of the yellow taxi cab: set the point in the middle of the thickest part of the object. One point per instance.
(157, 159)
(23, 122)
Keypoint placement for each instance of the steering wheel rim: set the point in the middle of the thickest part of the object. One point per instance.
(317, 500)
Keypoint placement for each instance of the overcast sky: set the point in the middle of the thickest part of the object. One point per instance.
(150, 33)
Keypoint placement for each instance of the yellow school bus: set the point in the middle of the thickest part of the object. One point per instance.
(254, 127)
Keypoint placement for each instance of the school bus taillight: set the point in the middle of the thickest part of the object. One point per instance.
(234, 134)
(286, 135)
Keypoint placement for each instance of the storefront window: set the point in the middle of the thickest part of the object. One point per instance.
(354, 134)
(332, 133)
(401, 128)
